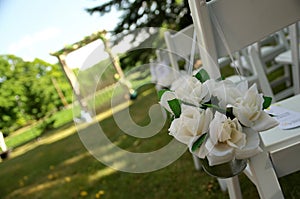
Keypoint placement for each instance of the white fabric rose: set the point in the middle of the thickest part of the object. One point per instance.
(191, 123)
(189, 89)
(249, 111)
(225, 130)
(166, 75)
(228, 140)
(227, 92)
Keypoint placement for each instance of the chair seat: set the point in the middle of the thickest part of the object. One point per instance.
(285, 57)
(269, 52)
(277, 138)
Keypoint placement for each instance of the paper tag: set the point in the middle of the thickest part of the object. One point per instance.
(287, 119)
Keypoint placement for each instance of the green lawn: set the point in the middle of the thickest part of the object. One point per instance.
(57, 165)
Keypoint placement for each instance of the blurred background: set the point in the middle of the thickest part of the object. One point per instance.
(52, 49)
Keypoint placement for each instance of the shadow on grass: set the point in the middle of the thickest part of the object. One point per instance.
(64, 169)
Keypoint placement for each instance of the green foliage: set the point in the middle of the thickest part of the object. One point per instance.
(153, 13)
(175, 107)
(138, 15)
(27, 92)
(199, 142)
(267, 102)
(202, 75)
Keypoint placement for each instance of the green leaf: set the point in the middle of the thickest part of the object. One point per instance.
(175, 107)
(221, 78)
(161, 92)
(199, 142)
(267, 102)
(202, 75)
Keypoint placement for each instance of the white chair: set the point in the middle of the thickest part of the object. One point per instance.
(161, 72)
(180, 46)
(286, 57)
(269, 48)
(226, 26)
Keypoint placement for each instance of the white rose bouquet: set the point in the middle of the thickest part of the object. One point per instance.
(217, 119)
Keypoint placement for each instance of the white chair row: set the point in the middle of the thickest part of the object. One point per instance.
(289, 55)
(269, 48)
(180, 48)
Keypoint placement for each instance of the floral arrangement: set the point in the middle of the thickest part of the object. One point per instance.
(217, 119)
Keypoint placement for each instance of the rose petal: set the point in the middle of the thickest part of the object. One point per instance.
(218, 154)
(242, 116)
(264, 122)
(215, 127)
(191, 123)
(252, 146)
(176, 129)
(242, 86)
(238, 140)
(205, 119)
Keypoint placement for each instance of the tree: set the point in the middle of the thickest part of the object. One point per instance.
(27, 92)
(168, 14)
(171, 14)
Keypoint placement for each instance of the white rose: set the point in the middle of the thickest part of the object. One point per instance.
(225, 130)
(191, 90)
(252, 145)
(228, 140)
(222, 153)
(191, 123)
(166, 75)
(227, 92)
(249, 111)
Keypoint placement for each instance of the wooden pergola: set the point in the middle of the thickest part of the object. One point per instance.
(72, 78)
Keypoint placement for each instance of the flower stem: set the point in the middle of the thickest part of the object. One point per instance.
(205, 105)
(217, 108)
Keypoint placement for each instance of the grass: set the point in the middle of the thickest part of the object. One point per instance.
(36, 130)
(58, 166)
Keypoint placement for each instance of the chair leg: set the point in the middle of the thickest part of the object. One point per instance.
(288, 75)
(264, 174)
(234, 189)
(196, 162)
(223, 184)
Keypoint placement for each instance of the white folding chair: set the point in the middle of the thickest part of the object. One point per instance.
(286, 57)
(226, 26)
(161, 71)
(180, 47)
(269, 48)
